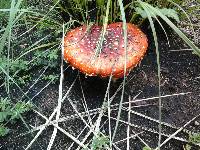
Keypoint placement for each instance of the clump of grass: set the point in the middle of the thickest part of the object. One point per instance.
(20, 55)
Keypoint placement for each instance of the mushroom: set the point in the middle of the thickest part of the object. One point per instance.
(80, 45)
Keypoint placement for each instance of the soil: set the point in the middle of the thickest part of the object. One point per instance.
(180, 73)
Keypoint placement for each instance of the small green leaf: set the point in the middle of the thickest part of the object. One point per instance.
(100, 3)
(4, 104)
(51, 77)
(188, 147)
(165, 11)
(20, 108)
(3, 116)
(3, 130)
(195, 138)
(170, 13)
(53, 55)
(99, 142)
(146, 148)
(141, 12)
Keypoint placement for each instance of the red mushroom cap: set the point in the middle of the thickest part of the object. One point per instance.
(80, 45)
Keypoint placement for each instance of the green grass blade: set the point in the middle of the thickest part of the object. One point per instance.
(158, 62)
(175, 28)
(100, 42)
(125, 56)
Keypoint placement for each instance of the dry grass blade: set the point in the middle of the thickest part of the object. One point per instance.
(109, 121)
(79, 114)
(150, 130)
(88, 134)
(149, 118)
(130, 137)
(137, 135)
(85, 138)
(36, 81)
(95, 111)
(128, 127)
(85, 103)
(102, 109)
(179, 130)
(72, 144)
(62, 130)
(41, 129)
(41, 90)
(60, 93)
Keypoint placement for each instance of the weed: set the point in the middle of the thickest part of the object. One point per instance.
(14, 66)
(9, 113)
(193, 138)
(99, 142)
(51, 77)
(19, 56)
(47, 58)
(3, 130)
(146, 148)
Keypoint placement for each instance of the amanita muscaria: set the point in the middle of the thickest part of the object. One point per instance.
(81, 44)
